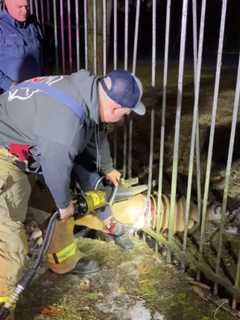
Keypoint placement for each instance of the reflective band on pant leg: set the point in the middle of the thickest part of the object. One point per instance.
(64, 254)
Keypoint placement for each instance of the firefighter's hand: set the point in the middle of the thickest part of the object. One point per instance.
(114, 177)
(67, 212)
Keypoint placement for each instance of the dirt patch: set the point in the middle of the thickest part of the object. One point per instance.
(130, 286)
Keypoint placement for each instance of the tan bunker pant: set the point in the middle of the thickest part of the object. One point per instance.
(14, 194)
(15, 191)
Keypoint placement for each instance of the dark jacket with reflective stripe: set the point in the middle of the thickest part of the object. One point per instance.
(53, 131)
(20, 50)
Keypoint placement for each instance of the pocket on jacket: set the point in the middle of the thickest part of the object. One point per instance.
(13, 46)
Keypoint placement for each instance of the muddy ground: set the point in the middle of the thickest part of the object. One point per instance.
(139, 285)
(136, 285)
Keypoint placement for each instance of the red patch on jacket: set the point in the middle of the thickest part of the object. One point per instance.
(19, 150)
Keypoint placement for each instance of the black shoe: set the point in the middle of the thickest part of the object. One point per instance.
(86, 266)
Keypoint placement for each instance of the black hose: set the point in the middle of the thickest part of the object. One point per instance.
(28, 276)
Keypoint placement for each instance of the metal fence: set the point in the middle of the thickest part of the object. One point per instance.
(177, 36)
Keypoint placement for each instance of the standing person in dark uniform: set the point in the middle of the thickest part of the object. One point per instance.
(20, 43)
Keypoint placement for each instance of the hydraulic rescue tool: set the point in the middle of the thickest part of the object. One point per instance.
(85, 203)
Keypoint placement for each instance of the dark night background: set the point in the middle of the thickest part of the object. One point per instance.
(212, 26)
(211, 35)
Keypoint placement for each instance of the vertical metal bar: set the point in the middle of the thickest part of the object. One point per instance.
(228, 172)
(237, 280)
(126, 37)
(151, 151)
(136, 36)
(77, 34)
(69, 36)
(198, 162)
(177, 122)
(42, 15)
(151, 158)
(115, 35)
(195, 36)
(133, 71)
(212, 128)
(195, 122)
(115, 148)
(30, 6)
(115, 67)
(36, 9)
(94, 37)
(130, 148)
(154, 9)
(48, 12)
(104, 37)
(55, 36)
(62, 37)
(86, 33)
(163, 116)
(125, 149)
(125, 67)
(198, 173)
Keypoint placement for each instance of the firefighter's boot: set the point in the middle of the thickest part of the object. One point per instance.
(63, 254)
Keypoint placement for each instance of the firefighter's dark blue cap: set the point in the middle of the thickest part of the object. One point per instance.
(125, 89)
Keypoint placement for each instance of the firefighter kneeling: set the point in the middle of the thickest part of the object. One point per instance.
(56, 121)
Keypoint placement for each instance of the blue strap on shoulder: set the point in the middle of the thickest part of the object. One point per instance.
(68, 101)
